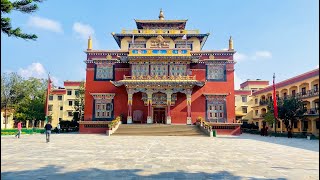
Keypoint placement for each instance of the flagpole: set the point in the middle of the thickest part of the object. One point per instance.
(47, 99)
(274, 96)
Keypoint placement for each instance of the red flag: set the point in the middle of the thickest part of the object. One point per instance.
(275, 106)
(47, 96)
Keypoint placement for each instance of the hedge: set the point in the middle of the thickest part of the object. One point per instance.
(23, 131)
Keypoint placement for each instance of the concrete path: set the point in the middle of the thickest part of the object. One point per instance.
(83, 156)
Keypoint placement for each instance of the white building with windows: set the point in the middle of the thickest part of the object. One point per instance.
(62, 101)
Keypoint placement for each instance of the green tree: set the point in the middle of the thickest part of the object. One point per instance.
(31, 106)
(24, 6)
(269, 117)
(79, 103)
(12, 92)
(289, 110)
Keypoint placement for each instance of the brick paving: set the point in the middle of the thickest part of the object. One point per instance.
(93, 156)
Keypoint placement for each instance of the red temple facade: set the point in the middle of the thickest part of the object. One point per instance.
(160, 74)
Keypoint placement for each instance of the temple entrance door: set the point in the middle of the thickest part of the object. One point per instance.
(159, 115)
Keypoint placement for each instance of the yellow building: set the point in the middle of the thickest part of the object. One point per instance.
(9, 124)
(244, 101)
(61, 102)
(305, 87)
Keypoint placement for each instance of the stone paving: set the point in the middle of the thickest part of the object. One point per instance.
(87, 156)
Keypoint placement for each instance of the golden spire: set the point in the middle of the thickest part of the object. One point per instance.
(161, 16)
(89, 43)
(230, 43)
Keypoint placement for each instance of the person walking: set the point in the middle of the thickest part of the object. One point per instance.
(58, 128)
(48, 128)
(19, 126)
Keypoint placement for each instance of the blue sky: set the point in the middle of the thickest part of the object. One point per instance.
(271, 36)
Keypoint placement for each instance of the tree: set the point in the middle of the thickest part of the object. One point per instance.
(269, 117)
(289, 110)
(12, 92)
(31, 106)
(24, 6)
(79, 103)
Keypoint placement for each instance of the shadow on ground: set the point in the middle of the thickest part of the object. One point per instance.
(53, 172)
(311, 145)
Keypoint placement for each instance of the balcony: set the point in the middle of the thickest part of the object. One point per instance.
(159, 52)
(159, 31)
(307, 94)
(312, 111)
(264, 102)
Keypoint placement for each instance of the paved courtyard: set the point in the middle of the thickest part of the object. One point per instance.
(79, 156)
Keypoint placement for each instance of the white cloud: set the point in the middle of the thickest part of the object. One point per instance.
(44, 23)
(240, 57)
(317, 66)
(237, 81)
(83, 30)
(255, 56)
(34, 70)
(262, 54)
(37, 70)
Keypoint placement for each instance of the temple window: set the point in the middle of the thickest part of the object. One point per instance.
(70, 103)
(104, 72)
(159, 69)
(69, 92)
(182, 44)
(215, 114)
(176, 70)
(137, 44)
(140, 70)
(50, 98)
(216, 72)
(105, 111)
(103, 106)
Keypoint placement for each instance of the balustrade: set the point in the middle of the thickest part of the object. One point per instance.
(159, 31)
(159, 77)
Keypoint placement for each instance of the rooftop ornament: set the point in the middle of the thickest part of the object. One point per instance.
(161, 15)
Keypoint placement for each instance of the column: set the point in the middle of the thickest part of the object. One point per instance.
(188, 94)
(149, 118)
(312, 126)
(169, 93)
(27, 124)
(129, 117)
(280, 126)
(301, 125)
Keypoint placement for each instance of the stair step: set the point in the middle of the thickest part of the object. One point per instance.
(158, 130)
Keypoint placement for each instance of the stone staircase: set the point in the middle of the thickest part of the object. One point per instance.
(158, 130)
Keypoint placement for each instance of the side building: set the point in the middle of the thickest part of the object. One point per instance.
(244, 101)
(305, 87)
(62, 101)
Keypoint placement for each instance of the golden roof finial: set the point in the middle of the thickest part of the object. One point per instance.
(230, 43)
(89, 43)
(161, 15)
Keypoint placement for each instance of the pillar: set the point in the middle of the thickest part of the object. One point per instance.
(313, 126)
(280, 126)
(129, 117)
(301, 125)
(149, 117)
(169, 93)
(27, 124)
(188, 94)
